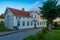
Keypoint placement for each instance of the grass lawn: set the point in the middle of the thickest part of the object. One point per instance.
(54, 35)
(3, 29)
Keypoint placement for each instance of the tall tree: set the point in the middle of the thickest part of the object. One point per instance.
(58, 10)
(49, 11)
(2, 16)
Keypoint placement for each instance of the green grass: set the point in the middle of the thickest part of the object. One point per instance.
(54, 35)
(4, 29)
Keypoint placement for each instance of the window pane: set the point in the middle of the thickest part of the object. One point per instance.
(31, 23)
(37, 23)
(40, 23)
(18, 23)
(27, 23)
(23, 23)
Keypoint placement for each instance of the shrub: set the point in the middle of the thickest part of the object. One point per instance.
(55, 24)
(15, 27)
(44, 30)
(39, 35)
(31, 37)
(58, 25)
(4, 29)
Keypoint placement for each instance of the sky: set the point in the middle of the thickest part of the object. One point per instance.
(19, 4)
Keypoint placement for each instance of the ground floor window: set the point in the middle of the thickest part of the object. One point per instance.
(18, 23)
(37, 23)
(31, 23)
(40, 23)
(28, 23)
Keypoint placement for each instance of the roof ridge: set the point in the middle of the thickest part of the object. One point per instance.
(19, 12)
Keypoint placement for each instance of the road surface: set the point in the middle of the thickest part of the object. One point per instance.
(19, 35)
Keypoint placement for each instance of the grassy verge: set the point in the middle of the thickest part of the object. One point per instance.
(45, 35)
(54, 35)
(3, 29)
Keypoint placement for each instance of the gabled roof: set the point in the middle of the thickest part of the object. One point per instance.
(19, 12)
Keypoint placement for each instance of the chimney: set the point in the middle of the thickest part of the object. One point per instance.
(23, 9)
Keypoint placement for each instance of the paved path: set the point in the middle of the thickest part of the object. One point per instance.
(19, 35)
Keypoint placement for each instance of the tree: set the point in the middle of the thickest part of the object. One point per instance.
(2, 16)
(58, 10)
(49, 11)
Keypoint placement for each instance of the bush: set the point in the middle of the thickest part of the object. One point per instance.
(58, 25)
(31, 37)
(15, 28)
(1, 23)
(39, 35)
(55, 24)
(4, 29)
(56, 28)
(44, 30)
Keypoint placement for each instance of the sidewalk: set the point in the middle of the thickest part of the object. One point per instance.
(7, 33)
(12, 32)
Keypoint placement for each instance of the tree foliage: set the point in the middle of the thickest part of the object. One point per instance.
(49, 9)
(2, 16)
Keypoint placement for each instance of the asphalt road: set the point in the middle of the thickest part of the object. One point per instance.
(19, 35)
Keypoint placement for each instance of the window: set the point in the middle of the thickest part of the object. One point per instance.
(27, 23)
(19, 16)
(18, 23)
(31, 16)
(31, 23)
(23, 23)
(40, 23)
(8, 16)
(37, 23)
(16, 17)
(43, 22)
(35, 16)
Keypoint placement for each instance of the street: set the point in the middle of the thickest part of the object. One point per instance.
(19, 35)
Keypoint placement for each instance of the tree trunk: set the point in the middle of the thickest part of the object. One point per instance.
(49, 26)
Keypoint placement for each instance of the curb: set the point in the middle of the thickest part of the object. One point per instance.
(8, 33)
(21, 30)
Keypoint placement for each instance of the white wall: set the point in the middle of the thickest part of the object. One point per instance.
(12, 21)
(8, 19)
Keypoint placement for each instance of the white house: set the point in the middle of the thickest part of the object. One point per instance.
(22, 19)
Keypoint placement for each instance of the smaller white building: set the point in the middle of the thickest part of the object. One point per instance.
(22, 19)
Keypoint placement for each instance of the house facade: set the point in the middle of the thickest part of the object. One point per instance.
(22, 19)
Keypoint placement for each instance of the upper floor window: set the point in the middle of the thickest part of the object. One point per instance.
(35, 16)
(23, 23)
(31, 16)
(16, 17)
(8, 15)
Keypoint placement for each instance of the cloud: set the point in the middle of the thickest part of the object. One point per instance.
(36, 3)
(58, 2)
(33, 5)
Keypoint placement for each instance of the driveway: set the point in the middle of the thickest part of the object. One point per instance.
(19, 35)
